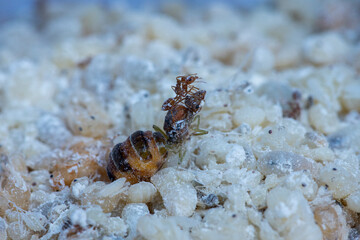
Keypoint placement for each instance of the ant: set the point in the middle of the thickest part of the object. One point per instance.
(183, 110)
(182, 88)
(142, 154)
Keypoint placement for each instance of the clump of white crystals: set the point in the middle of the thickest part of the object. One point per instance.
(280, 161)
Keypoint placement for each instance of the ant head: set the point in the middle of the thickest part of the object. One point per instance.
(191, 78)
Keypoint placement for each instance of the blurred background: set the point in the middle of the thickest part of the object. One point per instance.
(23, 8)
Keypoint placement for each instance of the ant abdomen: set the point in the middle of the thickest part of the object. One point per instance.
(195, 101)
(176, 124)
(138, 158)
(168, 104)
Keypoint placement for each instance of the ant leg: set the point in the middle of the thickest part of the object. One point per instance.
(193, 90)
(197, 130)
(181, 156)
(198, 121)
(157, 129)
(189, 90)
(178, 99)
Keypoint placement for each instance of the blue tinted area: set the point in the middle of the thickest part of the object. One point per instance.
(14, 8)
(10, 9)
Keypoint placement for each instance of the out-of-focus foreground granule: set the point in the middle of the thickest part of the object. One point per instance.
(280, 161)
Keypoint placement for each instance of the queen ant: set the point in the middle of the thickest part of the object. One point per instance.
(142, 154)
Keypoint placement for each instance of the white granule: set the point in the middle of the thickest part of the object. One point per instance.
(236, 156)
(77, 189)
(279, 154)
(78, 217)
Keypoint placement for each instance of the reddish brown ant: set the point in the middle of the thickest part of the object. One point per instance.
(182, 110)
(179, 118)
(182, 88)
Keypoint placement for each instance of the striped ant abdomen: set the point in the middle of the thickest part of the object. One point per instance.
(138, 158)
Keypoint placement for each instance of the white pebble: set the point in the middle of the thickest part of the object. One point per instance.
(353, 201)
(94, 215)
(154, 227)
(263, 60)
(3, 226)
(85, 116)
(251, 115)
(258, 196)
(115, 226)
(131, 214)
(325, 48)
(236, 156)
(237, 196)
(219, 223)
(178, 194)
(289, 213)
(323, 120)
(52, 131)
(17, 230)
(114, 188)
(340, 180)
(78, 217)
(282, 163)
(35, 221)
(77, 187)
(303, 182)
(351, 96)
(111, 225)
(142, 192)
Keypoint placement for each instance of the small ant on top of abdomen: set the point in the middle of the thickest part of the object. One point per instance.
(183, 110)
(182, 88)
(142, 154)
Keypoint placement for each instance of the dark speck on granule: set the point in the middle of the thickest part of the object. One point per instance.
(80, 129)
(334, 169)
(303, 185)
(270, 131)
(92, 117)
